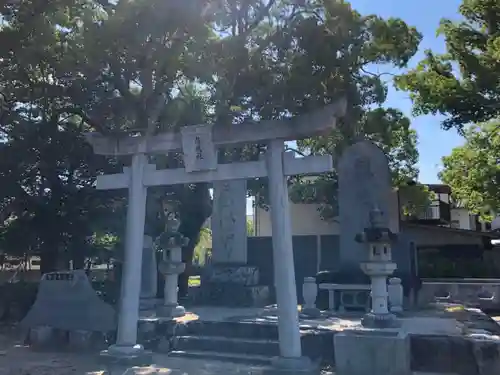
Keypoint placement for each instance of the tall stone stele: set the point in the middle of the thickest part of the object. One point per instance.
(170, 243)
(378, 267)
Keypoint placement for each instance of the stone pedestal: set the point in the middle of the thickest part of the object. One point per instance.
(171, 267)
(233, 286)
(379, 352)
(379, 317)
(126, 356)
(41, 336)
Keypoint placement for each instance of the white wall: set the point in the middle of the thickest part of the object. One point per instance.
(463, 217)
(305, 220)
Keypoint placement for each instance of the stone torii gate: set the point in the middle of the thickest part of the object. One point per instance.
(199, 146)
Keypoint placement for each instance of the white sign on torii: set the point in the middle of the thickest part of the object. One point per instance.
(198, 144)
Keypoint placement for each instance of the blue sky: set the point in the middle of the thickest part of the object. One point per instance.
(425, 15)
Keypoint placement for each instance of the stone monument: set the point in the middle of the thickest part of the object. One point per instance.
(229, 281)
(67, 302)
(229, 227)
(364, 182)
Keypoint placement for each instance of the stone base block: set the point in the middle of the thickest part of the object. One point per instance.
(126, 356)
(234, 295)
(486, 351)
(372, 352)
(372, 320)
(232, 274)
(81, 340)
(310, 312)
(41, 336)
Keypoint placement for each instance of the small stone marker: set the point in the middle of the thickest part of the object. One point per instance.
(67, 301)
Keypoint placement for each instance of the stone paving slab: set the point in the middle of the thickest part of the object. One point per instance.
(23, 361)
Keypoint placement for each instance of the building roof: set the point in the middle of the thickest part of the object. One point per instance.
(439, 188)
(466, 232)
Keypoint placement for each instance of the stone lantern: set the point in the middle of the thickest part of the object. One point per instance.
(378, 267)
(170, 243)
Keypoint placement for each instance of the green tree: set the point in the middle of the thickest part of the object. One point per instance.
(154, 65)
(462, 83)
(308, 54)
(47, 169)
(73, 66)
(250, 227)
(203, 246)
(473, 170)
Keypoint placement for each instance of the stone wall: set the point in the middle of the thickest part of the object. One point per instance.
(481, 293)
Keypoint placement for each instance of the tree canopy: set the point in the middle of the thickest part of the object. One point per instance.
(473, 170)
(146, 66)
(462, 83)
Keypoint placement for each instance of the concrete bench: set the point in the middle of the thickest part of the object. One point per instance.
(344, 289)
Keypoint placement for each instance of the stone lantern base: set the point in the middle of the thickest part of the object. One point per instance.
(170, 311)
(372, 320)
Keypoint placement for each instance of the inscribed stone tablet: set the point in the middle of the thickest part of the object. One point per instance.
(364, 182)
(229, 226)
(67, 301)
(198, 148)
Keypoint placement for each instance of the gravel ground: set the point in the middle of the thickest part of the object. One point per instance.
(17, 359)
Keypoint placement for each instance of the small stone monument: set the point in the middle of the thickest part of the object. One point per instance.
(66, 302)
(395, 290)
(379, 266)
(170, 243)
(309, 293)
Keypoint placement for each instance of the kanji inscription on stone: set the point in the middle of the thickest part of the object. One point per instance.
(198, 148)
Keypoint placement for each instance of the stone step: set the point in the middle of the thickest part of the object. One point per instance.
(242, 330)
(228, 345)
(257, 360)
